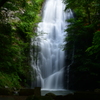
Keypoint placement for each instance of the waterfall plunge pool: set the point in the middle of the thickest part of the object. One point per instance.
(56, 91)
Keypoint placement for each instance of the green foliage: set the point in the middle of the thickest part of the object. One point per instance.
(10, 80)
(95, 48)
(18, 22)
(28, 22)
(15, 5)
(83, 36)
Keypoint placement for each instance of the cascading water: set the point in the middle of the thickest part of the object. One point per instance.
(50, 64)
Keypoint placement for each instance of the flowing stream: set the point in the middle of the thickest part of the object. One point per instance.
(49, 68)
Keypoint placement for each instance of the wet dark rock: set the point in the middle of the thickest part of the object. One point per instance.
(50, 95)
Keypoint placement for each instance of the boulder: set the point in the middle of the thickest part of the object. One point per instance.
(50, 95)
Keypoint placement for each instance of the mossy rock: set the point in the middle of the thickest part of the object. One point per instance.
(50, 95)
(5, 91)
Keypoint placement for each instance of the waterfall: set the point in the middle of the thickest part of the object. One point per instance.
(49, 66)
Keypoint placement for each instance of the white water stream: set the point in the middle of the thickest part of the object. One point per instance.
(50, 63)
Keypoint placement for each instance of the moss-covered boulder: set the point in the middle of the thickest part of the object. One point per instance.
(50, 95)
